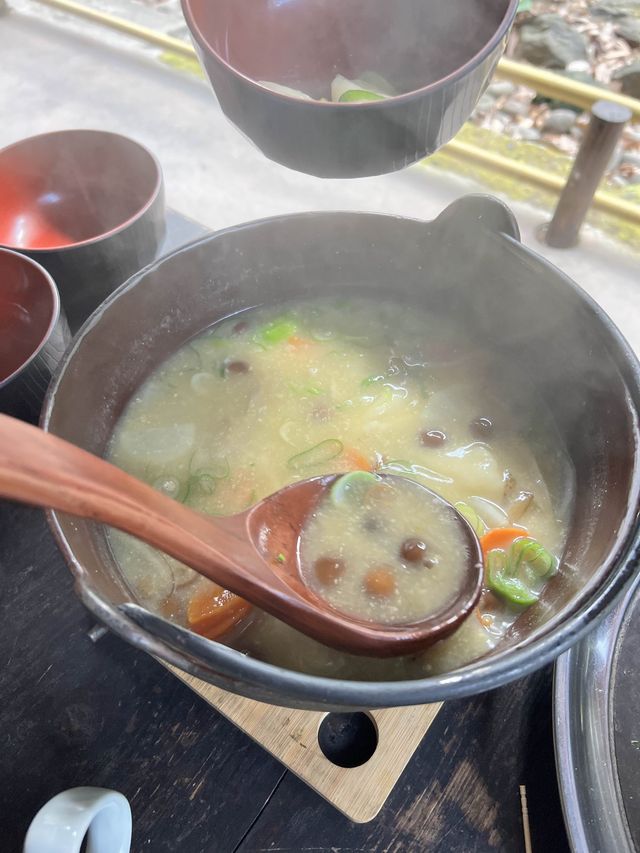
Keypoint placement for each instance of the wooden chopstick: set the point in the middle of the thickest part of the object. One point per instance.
(525, 819)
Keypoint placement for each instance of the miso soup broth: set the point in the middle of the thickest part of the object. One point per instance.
(384, 549)
(277, 395)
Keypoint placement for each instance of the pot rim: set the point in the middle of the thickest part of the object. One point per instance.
(320, 691)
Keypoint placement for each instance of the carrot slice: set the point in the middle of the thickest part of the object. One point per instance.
(298, 342)
(356, 461)
(213, 611)
(485, 619)
(500, 537)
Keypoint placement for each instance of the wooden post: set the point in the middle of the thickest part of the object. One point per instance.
(607, 121)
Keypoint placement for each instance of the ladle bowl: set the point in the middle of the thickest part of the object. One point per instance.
(438, 56)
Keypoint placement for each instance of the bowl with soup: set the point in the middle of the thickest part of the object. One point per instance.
(348, 89)
(361, 345)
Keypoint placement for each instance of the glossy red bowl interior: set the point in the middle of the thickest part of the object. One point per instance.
(71, 187)
(305, 43)
(29, 306)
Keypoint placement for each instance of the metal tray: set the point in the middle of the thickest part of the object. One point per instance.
(597, 733)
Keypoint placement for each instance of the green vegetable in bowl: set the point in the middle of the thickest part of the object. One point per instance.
(510, 574)
(202, 483)
(357, 95)
(351, 91)
(469, 513)
(370, 86)
(316, 455)
(503, 583)
(528, 552)
(275, 332)
(371, 380)
(352, 487)
(306, 390)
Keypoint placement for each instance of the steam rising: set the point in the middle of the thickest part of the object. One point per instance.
(304, 45)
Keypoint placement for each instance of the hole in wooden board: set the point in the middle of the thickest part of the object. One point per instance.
(348, 740)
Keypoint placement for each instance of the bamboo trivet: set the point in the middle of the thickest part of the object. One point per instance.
(291, 737)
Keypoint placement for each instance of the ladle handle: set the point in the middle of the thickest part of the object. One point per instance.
(40, 469)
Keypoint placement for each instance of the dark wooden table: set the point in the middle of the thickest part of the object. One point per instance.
(74, 712)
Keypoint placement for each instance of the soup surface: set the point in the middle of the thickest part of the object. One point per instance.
(323, 386)
(384, 550)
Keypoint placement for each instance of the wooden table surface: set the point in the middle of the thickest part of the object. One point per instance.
(74, 712)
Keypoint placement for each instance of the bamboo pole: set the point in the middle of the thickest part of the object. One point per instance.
(602, 201)
(123, 26)
(553, 85)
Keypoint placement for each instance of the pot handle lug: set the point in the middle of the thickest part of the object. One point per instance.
(471, 211)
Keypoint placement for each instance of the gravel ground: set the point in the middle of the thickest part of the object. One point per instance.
(519, 113)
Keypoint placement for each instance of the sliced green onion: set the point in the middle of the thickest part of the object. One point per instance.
(194, 358)
(203, 383)
(219, 469)
(397, 466)
(354, 95)
(204, 481)
(492, 514)
(469, 513)
(212, 341)
(352, 486)
(370, 380)
(321, 335)
(275, 332)
(402, 467)
(286, 431)
(323, 452)
(508, 587)
(305, 390)
(534, 555)
(201, 483)
(379, 399)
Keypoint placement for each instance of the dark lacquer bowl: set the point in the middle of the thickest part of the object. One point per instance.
(555, 342)
(438, 55)
(86, 204)
(33, 334)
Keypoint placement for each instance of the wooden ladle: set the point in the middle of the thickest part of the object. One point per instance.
(253, 554)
